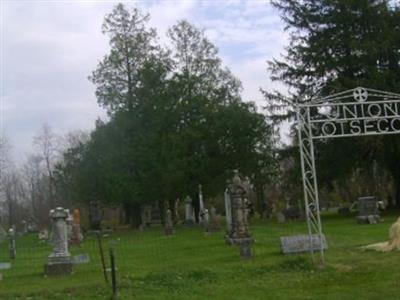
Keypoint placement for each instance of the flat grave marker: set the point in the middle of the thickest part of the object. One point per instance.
(301, 243)
(81, 259)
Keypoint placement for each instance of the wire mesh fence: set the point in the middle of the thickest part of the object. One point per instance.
(142, 257)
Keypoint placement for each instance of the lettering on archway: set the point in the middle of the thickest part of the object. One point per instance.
(356, 112)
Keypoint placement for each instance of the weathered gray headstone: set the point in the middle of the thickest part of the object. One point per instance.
(168, 227)
(239, 234)
(206, 220)
(214, 224)
(189, 212)
(145, 215)
(59, 261)
(302, 243)
(280, 217)
(228, 211)
(368, 210)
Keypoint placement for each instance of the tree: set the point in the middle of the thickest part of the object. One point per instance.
(132, 45)
(334, 46)
(176, 120)
(46, 143)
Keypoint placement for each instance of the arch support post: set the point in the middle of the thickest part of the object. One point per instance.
(310, 184)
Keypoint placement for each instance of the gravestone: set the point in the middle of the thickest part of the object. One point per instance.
(80, 259)
(239, 234)
(155, 214)
(201, 204)
(4, 266)
(43, 235)
(12, 249)
(69, 222)
(59, 261)
(3, 234)
(189, 212)
(302, 243)
(280, 217)
(214, 224)
(168, 227)
(368, 210)
(206, 220)
(228, 212)
(76, 236)
(95, 215)
(145, 215)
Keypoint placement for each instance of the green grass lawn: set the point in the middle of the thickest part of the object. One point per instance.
(193, 265)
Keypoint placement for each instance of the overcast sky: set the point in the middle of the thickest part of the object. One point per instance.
(48, 48)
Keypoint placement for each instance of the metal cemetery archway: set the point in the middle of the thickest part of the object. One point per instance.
(356, 112)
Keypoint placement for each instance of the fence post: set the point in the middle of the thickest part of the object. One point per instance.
(98, 233)
(113, 273)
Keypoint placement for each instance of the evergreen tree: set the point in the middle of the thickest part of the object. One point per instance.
(335, 46)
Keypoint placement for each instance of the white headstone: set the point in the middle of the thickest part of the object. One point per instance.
(228, 211)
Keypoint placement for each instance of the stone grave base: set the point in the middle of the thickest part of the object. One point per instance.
(370, 219)
(244, 246)
(57, 269)
(58, 266)
(243, 243)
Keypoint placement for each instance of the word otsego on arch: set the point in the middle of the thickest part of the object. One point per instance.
(356, 112)
(369, 112)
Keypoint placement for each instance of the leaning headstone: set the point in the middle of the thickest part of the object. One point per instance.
(302, 243)
(12, 249)
(168, 227)
(239, 234)
(59, 261)
(189, 212)
(214, 224)
(368, 210)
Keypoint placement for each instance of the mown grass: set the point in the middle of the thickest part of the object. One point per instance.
(194, 265)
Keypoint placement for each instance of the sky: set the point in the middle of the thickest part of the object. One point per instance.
(48, 49)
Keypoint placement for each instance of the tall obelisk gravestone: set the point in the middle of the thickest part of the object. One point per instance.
(59, 261)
